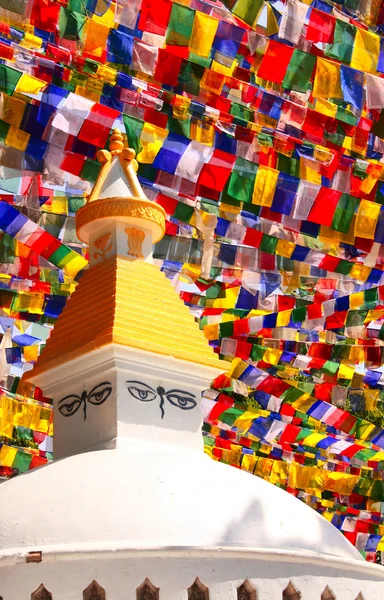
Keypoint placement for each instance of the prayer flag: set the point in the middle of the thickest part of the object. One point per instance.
(375, 91)
(366, 51)
(327, 80)
(203, 34)
(342, 46)
(320, 27)
(265, 185)
(367, 217)
(352, 86)
(299, 71)
(274, 64)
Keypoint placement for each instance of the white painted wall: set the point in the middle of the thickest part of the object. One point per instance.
(120, 576)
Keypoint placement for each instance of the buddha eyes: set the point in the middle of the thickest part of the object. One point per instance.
(183, 400)
(69, 405)
(179, 398)
(100, 393)
(141, 391)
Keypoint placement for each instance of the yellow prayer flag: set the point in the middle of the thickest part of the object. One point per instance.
(279, 473)
(371, 399)
(265, 185)
(211, 332)
(29, 85)
(107, 18)
(229, 301)
(224, 69)
(72, 268)
(366, 49)
(366, 220)
(356, 300)
(59, 205)
(7, 455)
(285, 248)
(95, 38)
(272, 356)
(13, 110)
(360, 272)
(303, 403)
(152, 139)
(16, 138)
(283, 318)
(31, 41)
(107, 74)
(244, 421)
(203, 33)
(248, 463)
(380, 545)
(340, 482)
(346, 371)
(263, 467)
(309, 170)
(327, 80)
(31, 353)
(325, 107)
(202, 132)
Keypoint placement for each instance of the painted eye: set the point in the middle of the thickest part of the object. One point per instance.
(69, 405)
(100, 393)
(141, 391)
(183, 400)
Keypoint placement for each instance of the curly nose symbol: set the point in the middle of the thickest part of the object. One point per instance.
(161, 391)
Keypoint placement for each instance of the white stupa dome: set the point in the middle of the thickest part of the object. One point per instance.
(142, 498)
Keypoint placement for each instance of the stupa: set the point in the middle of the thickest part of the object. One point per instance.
(131, 507)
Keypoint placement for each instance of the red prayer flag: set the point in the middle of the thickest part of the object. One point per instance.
(97, 126)
(275, 62)
(324, 207)
(215, 172)
(45, 14)
(154, 16)
(167, 68)
(321, 27)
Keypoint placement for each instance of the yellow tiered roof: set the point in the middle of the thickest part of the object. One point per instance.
(130, 303)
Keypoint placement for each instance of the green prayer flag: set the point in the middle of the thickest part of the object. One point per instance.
(248, 10)
(90, 171)
(190, 76)
(268, 244)
(183, 212)
(299, 315)
(179, 126)
(299, 71)
(8, 79)
(180, 25)
(242, 180)
(71, 24)
(257, 353)
(226, 329)
(4, 128)
(133, 129)
(60, 256)
(344, 267)
(343, 39)
(356, 318)
(345, 209)
(22, 461)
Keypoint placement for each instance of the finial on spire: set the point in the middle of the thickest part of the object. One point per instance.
(116, 144)
(117, 200)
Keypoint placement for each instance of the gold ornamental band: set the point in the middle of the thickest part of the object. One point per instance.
(117, 207)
